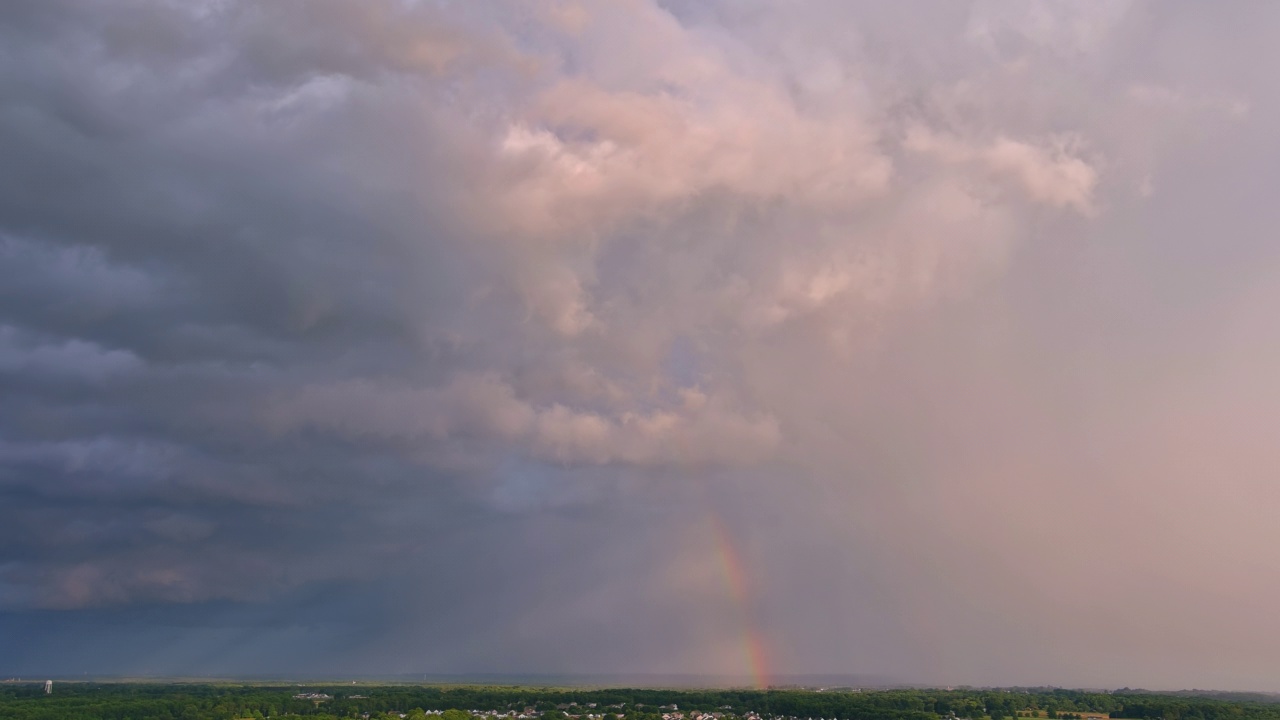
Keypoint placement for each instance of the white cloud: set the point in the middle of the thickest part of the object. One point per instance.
(1050, 172)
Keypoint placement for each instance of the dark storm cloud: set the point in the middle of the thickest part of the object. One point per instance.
(173, 253)
(203, 207)
(399, 336)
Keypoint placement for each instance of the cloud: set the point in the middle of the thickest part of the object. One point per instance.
(424, 335)
(1049, 173)
(694, 429)
(73, 358)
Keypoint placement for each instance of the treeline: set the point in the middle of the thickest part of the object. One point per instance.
(91, 701)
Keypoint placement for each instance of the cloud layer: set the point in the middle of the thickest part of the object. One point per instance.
(408, 336)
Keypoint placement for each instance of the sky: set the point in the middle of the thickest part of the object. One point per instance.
(933, 342)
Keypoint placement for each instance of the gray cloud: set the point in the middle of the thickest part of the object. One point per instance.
(400, 336)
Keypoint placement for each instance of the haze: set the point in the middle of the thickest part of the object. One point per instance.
(934, 342)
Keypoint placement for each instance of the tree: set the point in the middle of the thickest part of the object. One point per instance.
(455, 714)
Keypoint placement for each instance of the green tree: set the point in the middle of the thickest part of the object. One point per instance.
(455, 714)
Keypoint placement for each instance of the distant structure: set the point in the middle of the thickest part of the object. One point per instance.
(48, 687)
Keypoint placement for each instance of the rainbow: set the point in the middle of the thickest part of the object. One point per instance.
(754, 648)
(735, 576)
